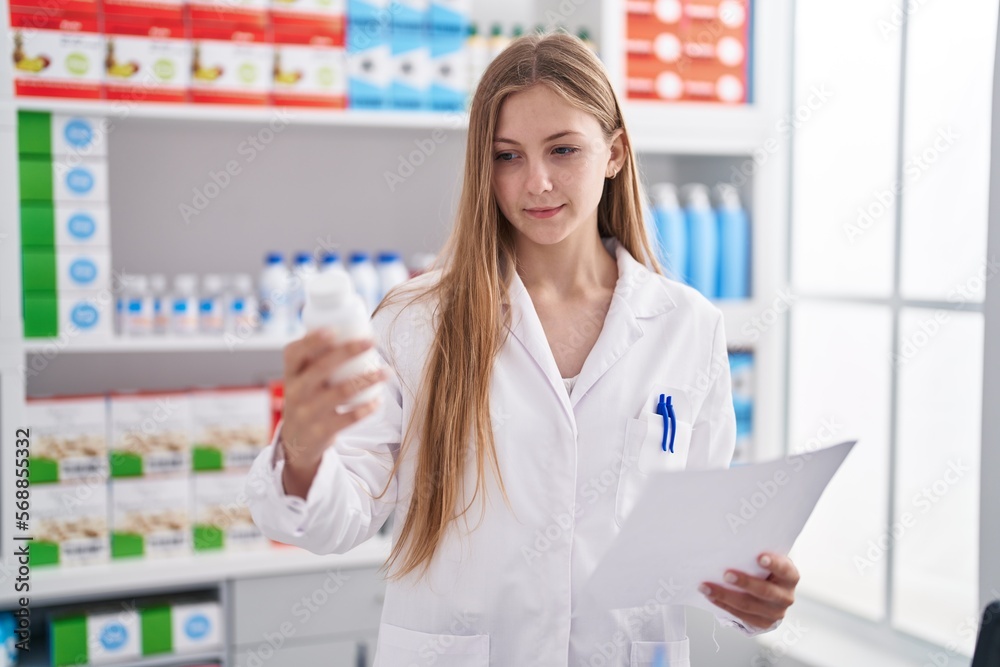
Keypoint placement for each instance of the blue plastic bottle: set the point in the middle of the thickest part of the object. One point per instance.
(734, 245)
(671, 230)
(703, 235)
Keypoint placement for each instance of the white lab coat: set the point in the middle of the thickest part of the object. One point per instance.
(504, 585)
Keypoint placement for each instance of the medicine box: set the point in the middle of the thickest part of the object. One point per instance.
(69, 439)
(103, 636)
(229, 427)
(150, 434)
(66, 226)
(231, 63)
(56, 53)
(147, 60)
(44, 135)
(150, 516)
(83, 313)
(222, 518)
(70, 522)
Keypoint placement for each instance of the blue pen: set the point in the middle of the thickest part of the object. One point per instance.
(665, 408)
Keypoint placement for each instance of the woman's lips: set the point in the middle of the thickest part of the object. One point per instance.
(543, 212)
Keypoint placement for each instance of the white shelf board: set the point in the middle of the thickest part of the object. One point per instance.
(687, 128)
(58, 584)
(40, 658)
(116, 344)
(121, 110)
(742, 318)
(696, 129)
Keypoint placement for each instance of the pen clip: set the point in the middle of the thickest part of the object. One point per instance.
(662, 409)
(671, 417)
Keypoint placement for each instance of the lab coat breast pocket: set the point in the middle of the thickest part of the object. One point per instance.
(399, 647)
(644, 455)
(654, 654)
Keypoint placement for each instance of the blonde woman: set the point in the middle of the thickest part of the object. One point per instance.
(519, 418)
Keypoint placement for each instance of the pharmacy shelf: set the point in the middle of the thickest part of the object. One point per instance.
(41, 658)
(200, 343)
(689, 128)
(682, 128)
(69, 584)
(745, 321)
(259, 115)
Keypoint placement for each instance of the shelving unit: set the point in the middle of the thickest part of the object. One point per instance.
(325, 182)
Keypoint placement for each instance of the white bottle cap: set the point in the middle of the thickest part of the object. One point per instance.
(158, 282)
(329, 290)
(213, 283)
(139, 283)
(664, 195)
(728, 196)
(697, 196)
(186, 283)
(242, 282)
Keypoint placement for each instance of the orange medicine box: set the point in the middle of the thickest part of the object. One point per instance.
(696, 51)
(231, 63)
(146, 60)
(309, 66)
(56, 54)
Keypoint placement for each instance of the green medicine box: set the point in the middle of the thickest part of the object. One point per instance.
(41, 314)
(34, 133)
(38, 225)
(36, 179)
(38, 270)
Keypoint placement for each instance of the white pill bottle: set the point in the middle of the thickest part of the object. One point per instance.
(332, 303)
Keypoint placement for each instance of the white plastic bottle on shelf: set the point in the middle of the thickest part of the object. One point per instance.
(211, 305)
(303, 270)
(273, 286)
(391, 272)
(161, 303)
(122, 290)
(332, 303)
(330, 261)
(139, 307)
(184, 306)
(365, 279)
(243, 316)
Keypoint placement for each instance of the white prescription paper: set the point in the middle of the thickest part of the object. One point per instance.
(690, 527)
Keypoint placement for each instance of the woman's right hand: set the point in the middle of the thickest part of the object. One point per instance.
(311, 421)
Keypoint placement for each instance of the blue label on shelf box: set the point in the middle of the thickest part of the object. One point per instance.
(78, 133)
(197, 626)
(451, 15)
(80, 181)
(449, 68)
(81, 226)
(83, 271)
(84, 316)
(411, 69)
(114, 636)
(368, 65)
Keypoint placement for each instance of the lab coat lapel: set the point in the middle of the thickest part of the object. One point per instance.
(527, 328)
(639, 294)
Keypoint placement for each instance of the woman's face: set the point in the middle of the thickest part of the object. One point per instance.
(549, 164)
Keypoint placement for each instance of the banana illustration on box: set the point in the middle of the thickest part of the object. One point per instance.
(203, 73)
(286, 78)
(116, 69)
(21, 60)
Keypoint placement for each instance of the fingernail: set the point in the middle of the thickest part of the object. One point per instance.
(730, 578)
(765, 561)
(704, 590)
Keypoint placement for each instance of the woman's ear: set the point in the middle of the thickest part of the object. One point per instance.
(617, 158)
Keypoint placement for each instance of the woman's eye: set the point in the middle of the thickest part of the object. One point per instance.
(566, 150)
(505, 157)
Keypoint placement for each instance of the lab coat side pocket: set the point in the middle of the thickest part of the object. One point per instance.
(643, 455)
(669, 654)
(399, 647)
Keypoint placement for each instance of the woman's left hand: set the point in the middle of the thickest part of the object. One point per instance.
(759, 603)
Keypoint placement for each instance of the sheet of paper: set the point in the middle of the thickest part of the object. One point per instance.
(690, 527)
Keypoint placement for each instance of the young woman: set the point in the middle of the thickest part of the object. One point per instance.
(519, 420)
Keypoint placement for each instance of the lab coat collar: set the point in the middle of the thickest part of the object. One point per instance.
(639, 294)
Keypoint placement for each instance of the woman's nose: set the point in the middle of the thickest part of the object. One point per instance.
(539, 179)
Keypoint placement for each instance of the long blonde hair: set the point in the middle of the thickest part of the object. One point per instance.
(478, 260)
